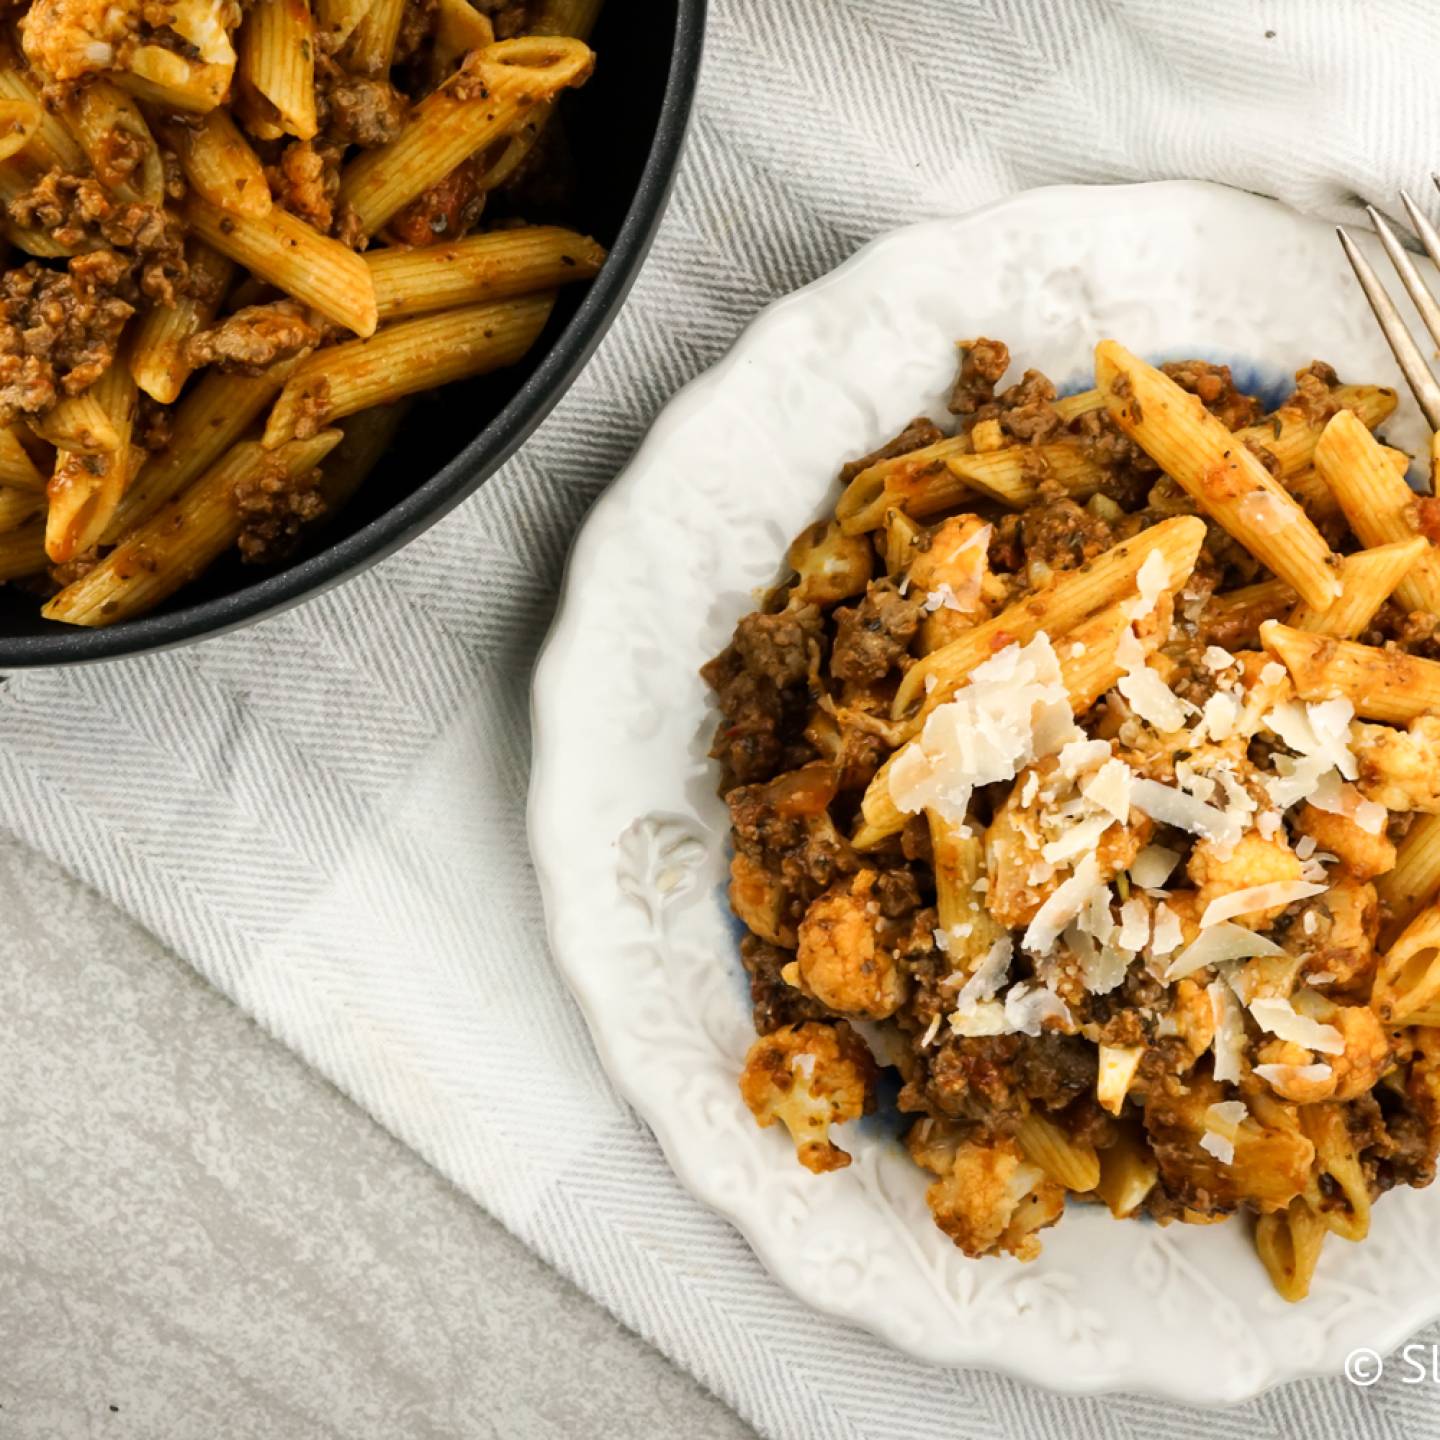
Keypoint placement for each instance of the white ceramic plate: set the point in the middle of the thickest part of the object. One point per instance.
(630, 839)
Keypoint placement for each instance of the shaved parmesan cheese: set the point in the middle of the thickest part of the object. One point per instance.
(1095, 919)
(1168, 933)
(1258, 897)
(930, 1030)
(1152, 866)
(1134, 925)
(1115, 1070)
(985, 1019)
(1272, 673)
(1028, 1005)
(1219, 716)
(1229, 1041)
(1168, 806)
(1081, 755)
(1287, 1076)
(1370, 817)
(1268, 823)
(1013, 710)
(1305, 847)
(1062, 906)
(1153, 700)
(1077, 840)
(1279, 1017)
(1216, 658)
(988, 977)
(1129, 652)
(1152, 580)
(1109, 788)
(1218, 1146)
(1267, 511)
(1217, 945)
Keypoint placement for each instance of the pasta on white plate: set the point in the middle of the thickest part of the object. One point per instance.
(231, 230)
(1087, 762)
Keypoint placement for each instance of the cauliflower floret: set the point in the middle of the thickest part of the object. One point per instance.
(758, 899)
(989, 1199)
(840, 961)
(810, 1077)
(1020, 879)
(1399, 769)
(1252, 861)
(1339, 945)
(954, 569)
(1365, 855)
(65, 39)
(830, 564)
(1352, 1073)
(1298, 1078)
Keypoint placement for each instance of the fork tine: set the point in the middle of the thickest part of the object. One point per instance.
(1406, 351)
(1420, 223)
(1410, 277)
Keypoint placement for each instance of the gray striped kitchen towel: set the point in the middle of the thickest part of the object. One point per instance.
(325, 813)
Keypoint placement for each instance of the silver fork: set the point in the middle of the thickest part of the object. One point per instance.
(1408, 355)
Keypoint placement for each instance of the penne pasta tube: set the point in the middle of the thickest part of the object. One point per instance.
(372, 42)
(1128, 1173)
(1290, 435)
(1407, 981)
(970, 931)
(18, 506)
(1288, 1242)
(19, 119)
(50, 145)
(17, 469)
(335, 20)
(294, 257)
(1377, 502)
(1340, 1194)
(157, 349)
(486, 100)
(183, 539)
(117, 141)
(85, 489)
(1221, 475)
(1069, 598)
(161, 77)
(1367, 580)
(1234, 618)
(367, 436)
(901, 533)
(78, 422)
(567, 17)
(220, 166)
(207, 422)
(403, 358)
(1381, 684)
(459, 29)
(17, 176)
(277, 62)
(481, 267)
(1072, 407)
(22, 551)
(1075, 1166)
(1415, 880)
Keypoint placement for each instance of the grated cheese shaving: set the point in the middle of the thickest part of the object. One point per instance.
(1258, 897)
(1280, 1018)
(1168, 932)
(1288, 1075)
(1168, 806)
(1229, 1041)
(1217, 659)
(1216, 946)
(1152, 867)
(1109, 788)
(1062, 905)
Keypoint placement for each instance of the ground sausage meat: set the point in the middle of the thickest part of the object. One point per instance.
(76, 211)
(356, 110)
(982, 363)
(253, 338)
(306, 181)
(1215, 387)
(919, 433)
(274, 509)
(59, 329)
(444, 212)
(873, 637)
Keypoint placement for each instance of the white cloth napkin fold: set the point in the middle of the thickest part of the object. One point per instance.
(325, 813)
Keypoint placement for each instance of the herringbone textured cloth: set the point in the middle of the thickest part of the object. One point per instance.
(325, 813)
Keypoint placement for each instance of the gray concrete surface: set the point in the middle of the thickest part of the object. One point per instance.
(201, 1238)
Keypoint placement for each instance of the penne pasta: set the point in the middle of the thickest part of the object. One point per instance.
(372, 41)
(183, 538)
(1377, 502)
(1386, 685)
(211, 418)
(367, 436)
(1409, 887)
(294, 257)
(1128, 1174)
(117, 141)
(78, 422)
(1288, 1242)
(1341, 1193)
(157, 349)
(85, 488)
(1071, 597)
(220, 166)
(335, 20)
(567, 17)
(1407, 982)
(17, 507)
(277, 64)
(482, 267)
(1075, 1166)
(459, 29)
(19, 120)
(17, 468)
(1290, 435)
(1367, 580)
(403, 358)
(22, 551)
(485, 101)
(1234, 618)
(959, 864)
(50, 145)
(1220, 474)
